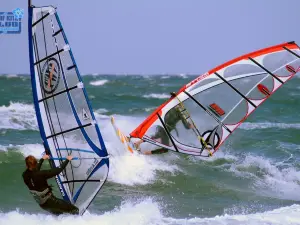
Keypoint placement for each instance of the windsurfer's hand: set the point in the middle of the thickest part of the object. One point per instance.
(46, 156)
(69, 157)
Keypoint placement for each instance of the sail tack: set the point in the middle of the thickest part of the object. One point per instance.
(65, 117)
(220, 100)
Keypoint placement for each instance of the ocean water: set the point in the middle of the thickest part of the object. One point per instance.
(253, 179)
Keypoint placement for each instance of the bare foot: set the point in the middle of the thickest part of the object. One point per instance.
(147, 153)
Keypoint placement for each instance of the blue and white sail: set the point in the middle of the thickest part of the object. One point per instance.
(65, 117)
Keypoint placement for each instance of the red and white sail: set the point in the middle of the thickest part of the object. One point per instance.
(221, 99)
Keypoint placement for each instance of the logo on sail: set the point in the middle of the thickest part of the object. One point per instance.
(211, 138)
(89, 171)
(50, 75)
(85, 116)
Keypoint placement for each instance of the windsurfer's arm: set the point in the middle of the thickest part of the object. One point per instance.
(39, 165)
(186, 124)
(54, 171)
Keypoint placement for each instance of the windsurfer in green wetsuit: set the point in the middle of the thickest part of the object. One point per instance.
(36, 181)
(171, 119)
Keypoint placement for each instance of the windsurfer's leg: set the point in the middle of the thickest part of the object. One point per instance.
(59, 206)
(159, 151)
(156, 136)
(147, 152)
(162, 137)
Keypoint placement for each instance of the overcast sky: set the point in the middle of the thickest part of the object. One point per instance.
(158, 36)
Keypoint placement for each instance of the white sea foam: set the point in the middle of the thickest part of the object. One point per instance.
(18, 116)
(269, 177)
(267, 125)
(148, 212)
(101, 110)
(125, 168)
(98, 82)
(183, 75)
(285, 215)
(149, 109)
(159, 96)
(12, 76)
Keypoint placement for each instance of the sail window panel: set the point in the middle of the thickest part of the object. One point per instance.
(70, 144)
(157, 133)
(85, 194)
(248, 86)
(77, 172)
(288, 69)
(276, 62)
(93, 136)
(40, 42)
(37, 14)
(219, 99)
(69, 68)
(76, 169)
(49, 28)
(244, 76)
(296, 51)
(92, 185)
(226, 99)
(181, 131)
(59, 114)
(241, 69)
(68, 65)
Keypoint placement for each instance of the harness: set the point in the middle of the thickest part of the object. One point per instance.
(41, 197)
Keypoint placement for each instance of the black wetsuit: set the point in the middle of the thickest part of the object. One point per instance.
(36, 180)
(171, 119)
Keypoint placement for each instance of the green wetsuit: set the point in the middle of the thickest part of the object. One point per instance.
(171, 119)
(36, 181)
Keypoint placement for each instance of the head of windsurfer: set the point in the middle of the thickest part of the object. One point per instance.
(31, 162)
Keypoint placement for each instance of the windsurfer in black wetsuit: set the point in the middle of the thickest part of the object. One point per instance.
(171, 119)
(36, 181)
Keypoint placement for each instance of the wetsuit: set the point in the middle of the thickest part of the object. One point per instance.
(171, 119)
(36, 181)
